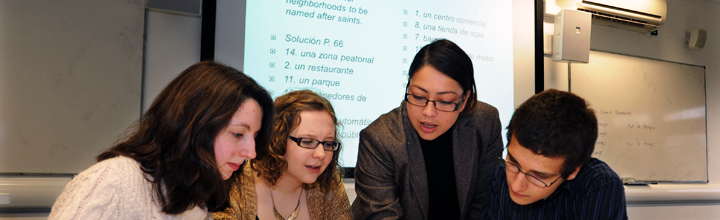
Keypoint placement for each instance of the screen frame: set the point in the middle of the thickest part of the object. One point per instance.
(208, 37)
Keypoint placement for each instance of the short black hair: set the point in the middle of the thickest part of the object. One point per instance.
(556, 124)
(448, 58)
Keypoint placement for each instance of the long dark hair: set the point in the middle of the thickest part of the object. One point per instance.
(448, 58)
(174, 140)
(287, 118)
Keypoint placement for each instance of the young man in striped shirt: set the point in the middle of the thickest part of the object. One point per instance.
(549, 172)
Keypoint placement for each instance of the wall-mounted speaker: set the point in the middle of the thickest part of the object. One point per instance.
(698, 37)
(571, 38)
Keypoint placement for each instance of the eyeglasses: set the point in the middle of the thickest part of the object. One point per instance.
(310, 143)
(514, 168)
(439, 105)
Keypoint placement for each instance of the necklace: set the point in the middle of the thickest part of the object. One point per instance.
(292, 215)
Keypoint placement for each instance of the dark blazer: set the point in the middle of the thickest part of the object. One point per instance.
(390, 176)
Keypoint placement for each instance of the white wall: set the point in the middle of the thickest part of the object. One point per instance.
(172, 43)
(70, 82)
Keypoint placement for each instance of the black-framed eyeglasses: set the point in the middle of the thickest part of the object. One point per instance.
(514, 168)
(439, 105)
(310, 143)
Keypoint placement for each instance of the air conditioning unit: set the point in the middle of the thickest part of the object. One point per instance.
(642, 16)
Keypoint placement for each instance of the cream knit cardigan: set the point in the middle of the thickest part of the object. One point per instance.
(115, 188)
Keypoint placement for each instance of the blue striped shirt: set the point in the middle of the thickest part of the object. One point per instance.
(596, 193)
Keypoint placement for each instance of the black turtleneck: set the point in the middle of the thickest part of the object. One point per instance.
(440, 170)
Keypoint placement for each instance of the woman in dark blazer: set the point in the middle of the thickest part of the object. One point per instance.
(431, 157)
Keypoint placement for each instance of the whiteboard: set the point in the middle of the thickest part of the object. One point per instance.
(651, 116)
(70, 81)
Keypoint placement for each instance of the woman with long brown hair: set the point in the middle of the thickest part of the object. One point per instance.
(179, 161)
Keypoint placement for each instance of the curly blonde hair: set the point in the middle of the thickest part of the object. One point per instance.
(287, 118)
